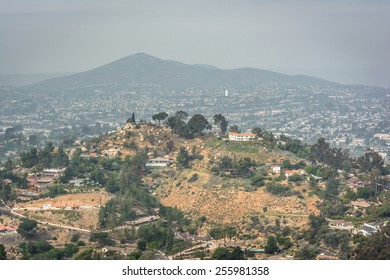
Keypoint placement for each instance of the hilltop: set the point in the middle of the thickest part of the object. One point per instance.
(145, 70)
(221, 199)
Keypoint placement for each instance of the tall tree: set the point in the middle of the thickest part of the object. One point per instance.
(272, 246)
(197, 124)
(221, 121)
(160, 117)
(183, 157)
(132, 119)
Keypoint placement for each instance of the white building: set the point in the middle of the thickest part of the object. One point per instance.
(158, 162)
(53, 172)
(276, 169)
(234, 136)
(369, 229)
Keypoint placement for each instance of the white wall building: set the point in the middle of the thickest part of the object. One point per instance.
(234, 136)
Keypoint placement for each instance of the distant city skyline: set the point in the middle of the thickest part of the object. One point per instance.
(343, 41)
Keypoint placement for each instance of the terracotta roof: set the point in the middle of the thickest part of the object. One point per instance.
(242, 134)
(2, 228)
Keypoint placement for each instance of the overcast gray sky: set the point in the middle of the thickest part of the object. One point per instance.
(345, 41)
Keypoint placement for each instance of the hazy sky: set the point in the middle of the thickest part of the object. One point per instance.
(345, 41)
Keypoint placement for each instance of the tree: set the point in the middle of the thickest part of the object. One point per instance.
(216, 232)
(230, 231)
(371, 160)
(375, 247)
(26, 227)
(102, 238)
(30, 158)
(181, 115)
(172, 122)
(160, 117)
(3, 253)
(132, 120)
(141, 245)
(237, 254)
(365, 192)
(221, 253)
(306, 253)
(197, 124)
(272, 246)
(183, 157)
(258, 131)
(170, 145)
(234, 128)
(221, 121)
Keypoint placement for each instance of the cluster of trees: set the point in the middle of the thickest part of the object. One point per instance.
(46, 157)
(191, 128)
(223, 253)
(278, 189)
(194, 127)
(265, 135)
(276, 244)
(375, 247)
(156, 236)
(286, 164)
(183, 158)
(334, 157)
(223, 231)
(319, 232)
(42, 250)
(293, 145)
(27, 227)
(7, 192)
(122, 207)
(371, 161)
(239, 168)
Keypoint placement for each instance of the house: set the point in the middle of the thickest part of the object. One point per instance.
(276, 169)
(158, 162)
(360, 204)
(288, 173)
(53, 172)
(76, 182)
(7, 229)
(341, 224)
(234, 136)
(354, 183)
(370, 228)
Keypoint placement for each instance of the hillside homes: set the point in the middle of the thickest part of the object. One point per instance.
(234, 136)
(158, 162)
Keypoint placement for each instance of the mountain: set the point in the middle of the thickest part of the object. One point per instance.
(143, 69)
(20, 80)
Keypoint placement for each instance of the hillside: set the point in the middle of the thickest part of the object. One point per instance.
(144, 70)
(147, 191)
(221, 199)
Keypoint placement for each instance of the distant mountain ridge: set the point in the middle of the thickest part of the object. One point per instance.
(144, 69)
(20, 80)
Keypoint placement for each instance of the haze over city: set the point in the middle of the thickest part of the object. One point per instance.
(341, 41)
